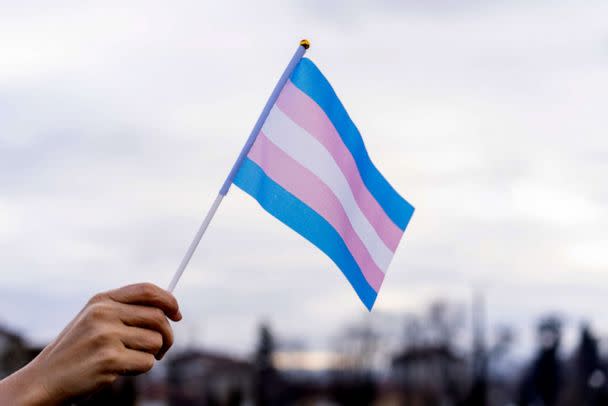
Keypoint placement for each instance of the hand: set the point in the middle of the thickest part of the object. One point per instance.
(119, 332)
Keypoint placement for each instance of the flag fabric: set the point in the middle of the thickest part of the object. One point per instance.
(309, 168)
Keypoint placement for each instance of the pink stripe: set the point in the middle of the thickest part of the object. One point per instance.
(307, 187)
(302, 110)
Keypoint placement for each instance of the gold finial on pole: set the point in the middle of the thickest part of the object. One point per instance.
(305, 43)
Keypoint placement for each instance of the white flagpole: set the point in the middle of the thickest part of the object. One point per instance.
(195, 241)
(304, 45)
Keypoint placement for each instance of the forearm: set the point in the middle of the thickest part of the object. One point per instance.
(25, 388)
(118, 332)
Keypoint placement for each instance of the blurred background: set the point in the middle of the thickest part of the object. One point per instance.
(120, 120)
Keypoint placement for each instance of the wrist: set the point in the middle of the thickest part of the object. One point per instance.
(26, 388)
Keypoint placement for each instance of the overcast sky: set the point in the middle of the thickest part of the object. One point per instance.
(119, 122)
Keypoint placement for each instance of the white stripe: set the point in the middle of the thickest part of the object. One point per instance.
(310, 153)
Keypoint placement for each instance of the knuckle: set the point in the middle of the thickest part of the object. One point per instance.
(154, 318)
(172, 302)
(109, 359)
(102, 337)
(97, 311)
(147, 290)
(99, 297)
(156, 341)
(107, 379)
(158, 316)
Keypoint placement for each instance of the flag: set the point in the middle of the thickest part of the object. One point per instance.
(309, 168)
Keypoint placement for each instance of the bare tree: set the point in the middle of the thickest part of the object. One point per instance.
(358, 344)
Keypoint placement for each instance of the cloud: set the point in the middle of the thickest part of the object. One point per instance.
(118, 124)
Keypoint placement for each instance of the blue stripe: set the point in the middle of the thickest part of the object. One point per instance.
(306, 222)
(309, 79)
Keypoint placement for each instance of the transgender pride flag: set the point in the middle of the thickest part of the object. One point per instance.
(309, 168)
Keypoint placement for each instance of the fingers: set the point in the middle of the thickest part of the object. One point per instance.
(143, 331)
(151, 319)
(141, 339)
(135, 362)
(149, 295)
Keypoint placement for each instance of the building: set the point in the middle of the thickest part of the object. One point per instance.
(205, 378)
(13, 352)
(430, 375)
